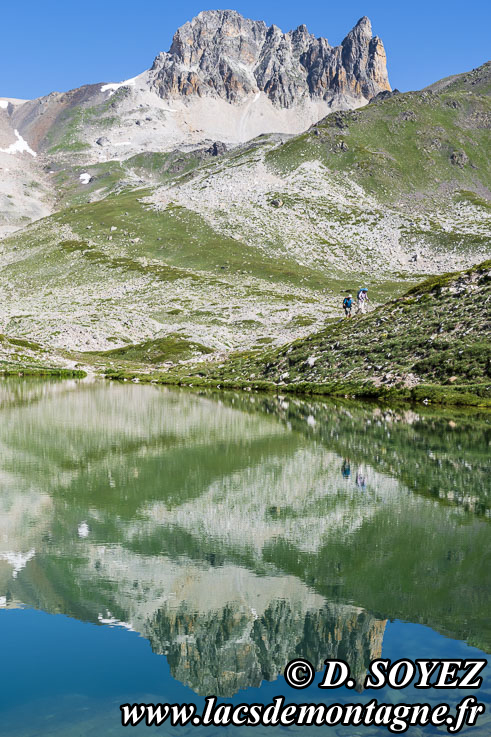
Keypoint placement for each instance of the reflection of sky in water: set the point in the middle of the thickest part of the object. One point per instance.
(215, 540)
(109, 666)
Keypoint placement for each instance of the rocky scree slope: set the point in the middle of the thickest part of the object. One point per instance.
(400, 186)
(26, 192)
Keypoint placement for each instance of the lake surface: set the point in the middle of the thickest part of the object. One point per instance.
(159, 545)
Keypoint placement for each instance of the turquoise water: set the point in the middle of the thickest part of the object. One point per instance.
(162, 546)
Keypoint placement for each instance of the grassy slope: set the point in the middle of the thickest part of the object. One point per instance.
(117, 262)
(20, 357)
(404, 145)
(113, 177)
(179, 238)
(433, 343)
(173, 347)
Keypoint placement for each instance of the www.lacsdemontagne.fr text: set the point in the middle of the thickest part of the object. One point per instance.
(396, 718)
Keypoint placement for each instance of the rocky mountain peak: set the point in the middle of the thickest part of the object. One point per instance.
(224, 78)
(363, 27)
(214, 33)
(220, 53)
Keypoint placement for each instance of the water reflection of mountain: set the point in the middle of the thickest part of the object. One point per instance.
(440, 452)
(225, 651)
(226, 533)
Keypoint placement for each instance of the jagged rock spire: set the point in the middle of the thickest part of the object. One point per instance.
(221, 53)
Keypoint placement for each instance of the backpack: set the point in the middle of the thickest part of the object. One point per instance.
(346, 303)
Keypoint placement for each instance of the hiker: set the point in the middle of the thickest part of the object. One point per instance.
(346, 469)
(362, 298)
(361, 481)
(348, 304)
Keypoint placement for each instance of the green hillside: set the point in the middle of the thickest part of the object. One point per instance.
(253, 248)
(409, 143)
(433, 343)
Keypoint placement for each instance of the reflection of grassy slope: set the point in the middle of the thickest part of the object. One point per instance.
(385, 567)
(437, 331)
(182, 450)
(426, 567)
(422, 448)
(385, 564)
(421, 569)
(169, 474)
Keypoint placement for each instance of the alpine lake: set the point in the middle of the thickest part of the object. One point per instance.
(163, 545)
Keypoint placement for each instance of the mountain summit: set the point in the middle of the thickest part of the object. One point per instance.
(225, 78)
(221, 53)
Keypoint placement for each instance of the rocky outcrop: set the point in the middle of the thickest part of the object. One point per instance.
(222, 54)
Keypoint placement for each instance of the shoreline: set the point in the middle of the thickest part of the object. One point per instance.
(466, 395)
(423, 393)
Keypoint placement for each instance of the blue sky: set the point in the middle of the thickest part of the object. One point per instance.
(50, 45)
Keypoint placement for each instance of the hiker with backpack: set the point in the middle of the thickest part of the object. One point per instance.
(348, 304)
(362, 298)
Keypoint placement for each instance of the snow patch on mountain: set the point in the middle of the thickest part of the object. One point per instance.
(20, 146)
(113, 86)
